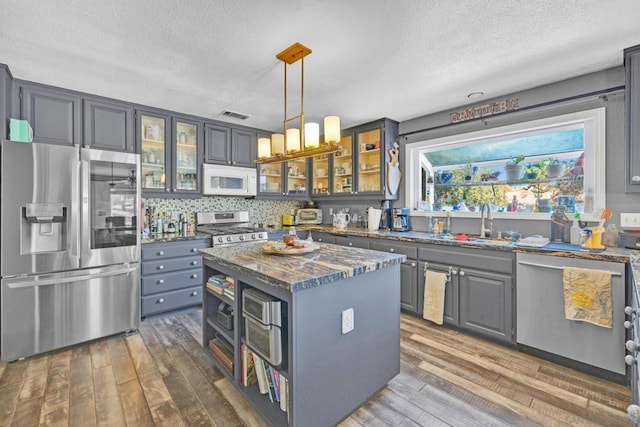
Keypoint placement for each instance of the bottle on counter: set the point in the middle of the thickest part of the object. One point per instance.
(574, 232)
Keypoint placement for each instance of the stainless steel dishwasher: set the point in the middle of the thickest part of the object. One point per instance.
(541, 322)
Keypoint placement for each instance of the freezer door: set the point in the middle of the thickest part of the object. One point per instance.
(50, 311)
(110, 207)
(39, 214)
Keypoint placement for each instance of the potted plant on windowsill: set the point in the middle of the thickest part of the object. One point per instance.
(555, 168)
(514, 168)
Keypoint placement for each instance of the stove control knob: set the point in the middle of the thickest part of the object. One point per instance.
(241, 237)
(253, 236)
(228, 238)
(260, 235)
(220, 239)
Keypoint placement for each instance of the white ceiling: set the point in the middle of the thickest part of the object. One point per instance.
(371, 58)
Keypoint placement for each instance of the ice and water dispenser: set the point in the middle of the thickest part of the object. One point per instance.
(43, 228)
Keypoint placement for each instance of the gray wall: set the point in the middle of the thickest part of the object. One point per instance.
(544, 97)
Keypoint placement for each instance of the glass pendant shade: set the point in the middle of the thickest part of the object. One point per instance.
(332, 129)
(277, 144)
(293, 139)
(311, 135)
(264, 147)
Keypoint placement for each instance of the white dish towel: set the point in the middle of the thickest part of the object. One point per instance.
(433, 304)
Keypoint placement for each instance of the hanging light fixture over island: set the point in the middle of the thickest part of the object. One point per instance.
(302, 141)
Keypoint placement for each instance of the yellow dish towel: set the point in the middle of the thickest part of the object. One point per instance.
(587, 296)
(433, 307)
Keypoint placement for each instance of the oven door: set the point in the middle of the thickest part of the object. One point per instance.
(110, 205)
(265, 340)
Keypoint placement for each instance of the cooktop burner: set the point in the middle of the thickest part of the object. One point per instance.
(229, 227)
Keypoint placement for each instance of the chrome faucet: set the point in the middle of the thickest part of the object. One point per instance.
(485, 232)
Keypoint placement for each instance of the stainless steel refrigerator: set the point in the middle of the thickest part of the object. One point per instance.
(70, 246)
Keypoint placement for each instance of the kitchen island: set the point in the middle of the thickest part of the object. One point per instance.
(328, 371)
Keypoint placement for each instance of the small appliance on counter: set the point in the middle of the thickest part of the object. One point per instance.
(309, 216)
(289, 219)
(400, 219)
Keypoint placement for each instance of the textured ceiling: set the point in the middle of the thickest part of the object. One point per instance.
(371, 58)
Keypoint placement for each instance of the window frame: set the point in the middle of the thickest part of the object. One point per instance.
(594, 122)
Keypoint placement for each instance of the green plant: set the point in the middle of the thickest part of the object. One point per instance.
(515, 160)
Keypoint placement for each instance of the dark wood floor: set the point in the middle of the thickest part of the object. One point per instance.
(161, 376)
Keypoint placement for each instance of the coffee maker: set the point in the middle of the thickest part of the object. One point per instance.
(400, 219)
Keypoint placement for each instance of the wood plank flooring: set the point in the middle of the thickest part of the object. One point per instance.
(161, 376)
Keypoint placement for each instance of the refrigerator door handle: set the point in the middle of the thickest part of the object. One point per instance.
(75, 211)
(85, 223)
(58, 280)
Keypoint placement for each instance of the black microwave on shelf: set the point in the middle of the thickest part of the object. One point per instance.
(265, 325)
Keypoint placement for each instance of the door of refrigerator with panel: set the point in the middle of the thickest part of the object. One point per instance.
(110, 201)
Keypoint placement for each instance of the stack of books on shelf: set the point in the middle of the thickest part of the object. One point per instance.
(223, 351)
(222, 285)
(269, 380)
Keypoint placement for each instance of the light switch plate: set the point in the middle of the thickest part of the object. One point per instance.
(630, 221)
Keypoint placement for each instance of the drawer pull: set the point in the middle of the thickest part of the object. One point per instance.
(160, 253)
(194, 276)
(194, 293)
(350, 244)
(631, 346)
(160, 281)
(194, 250)
(392, 250)
(161, 267)
(160, 301)
(194, 262)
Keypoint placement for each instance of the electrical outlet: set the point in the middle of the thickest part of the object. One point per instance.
(347, 321)
(630, 221)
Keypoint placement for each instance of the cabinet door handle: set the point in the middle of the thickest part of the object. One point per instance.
(413, 264)
(161, 300)
(194, 249)
(462, 272)
(635, 178)
(320, 239)
(161, 267)
(160, 281)
(194, 293)
(167, 190)
(160, 253)
(194, 262)
(453, 271)
(194, 276)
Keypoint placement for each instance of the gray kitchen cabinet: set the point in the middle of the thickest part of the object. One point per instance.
(479, 295)
(323, 237)
(230, 146)
(170, 150)
(171, 275)
(632, 117)
(408, 272)
(53, 113)
(5, 101)
(108, 125)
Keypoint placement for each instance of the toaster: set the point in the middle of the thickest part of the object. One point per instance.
(288, 219)
(309, 216)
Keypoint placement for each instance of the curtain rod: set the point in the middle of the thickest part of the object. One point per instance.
(599, 93)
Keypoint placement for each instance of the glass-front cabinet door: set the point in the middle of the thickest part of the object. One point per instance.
(320, 177)
(343, 166)
(270, 179)
(153, 152)
(369, 161)
(185, 156)
(296, 175)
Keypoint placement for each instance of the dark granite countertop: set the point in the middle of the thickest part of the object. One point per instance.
(328, 264)
(163, 238)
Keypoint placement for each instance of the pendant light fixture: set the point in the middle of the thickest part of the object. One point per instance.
(302, 141)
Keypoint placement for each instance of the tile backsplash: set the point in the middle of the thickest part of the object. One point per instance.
(264, 212)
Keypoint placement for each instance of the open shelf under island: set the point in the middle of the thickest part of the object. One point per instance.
(329, 374)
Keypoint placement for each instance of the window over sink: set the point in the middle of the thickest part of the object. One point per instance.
(523, 170)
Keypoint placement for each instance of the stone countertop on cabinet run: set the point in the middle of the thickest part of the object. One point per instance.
(328, 264)
(164, 238)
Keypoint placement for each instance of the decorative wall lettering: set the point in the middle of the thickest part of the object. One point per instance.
(484, 110)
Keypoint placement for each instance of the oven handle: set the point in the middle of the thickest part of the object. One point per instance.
(58, 280)
(555, 267)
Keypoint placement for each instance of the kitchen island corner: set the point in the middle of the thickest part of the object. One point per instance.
(329, 373)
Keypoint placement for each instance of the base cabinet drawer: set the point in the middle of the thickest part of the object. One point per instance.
(171, 281)
(172, 300)
(155, 251)
(174, 264)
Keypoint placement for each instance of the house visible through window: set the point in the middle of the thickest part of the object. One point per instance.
(522, 169)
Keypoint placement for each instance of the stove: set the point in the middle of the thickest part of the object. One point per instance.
(229, 227)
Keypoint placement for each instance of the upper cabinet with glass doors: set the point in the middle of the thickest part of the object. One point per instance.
(170, 154)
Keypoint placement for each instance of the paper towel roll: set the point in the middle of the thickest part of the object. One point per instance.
(374, 219)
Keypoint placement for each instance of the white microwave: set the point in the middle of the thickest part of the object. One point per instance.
(221, 180)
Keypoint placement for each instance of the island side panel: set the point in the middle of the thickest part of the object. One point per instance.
(335, 373)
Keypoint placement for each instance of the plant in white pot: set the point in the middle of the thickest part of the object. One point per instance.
(514, 168)
(555, 168)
